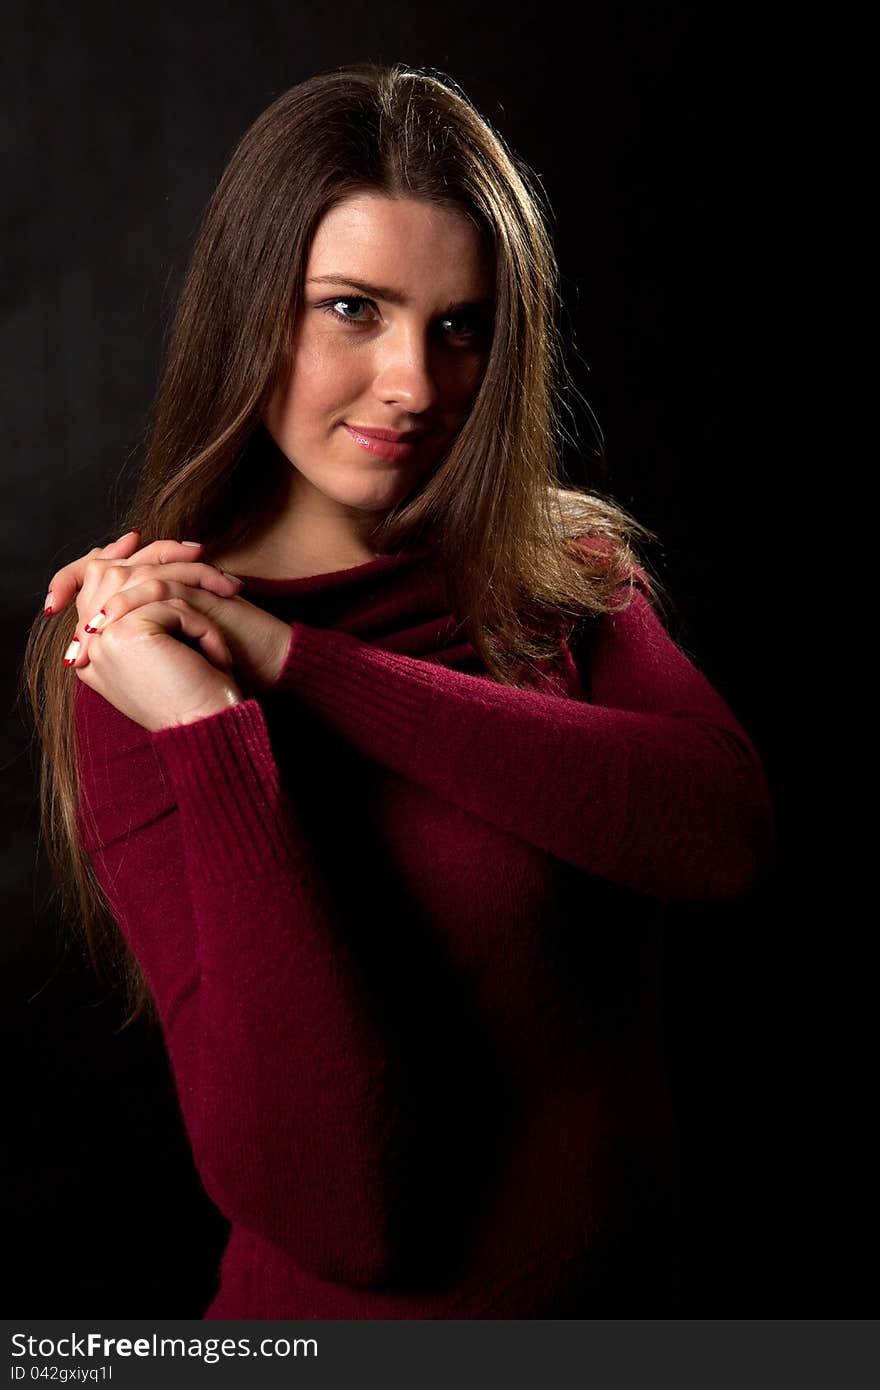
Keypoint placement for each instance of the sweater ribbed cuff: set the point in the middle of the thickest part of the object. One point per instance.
(229, 792)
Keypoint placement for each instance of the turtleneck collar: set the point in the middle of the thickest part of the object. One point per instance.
(351, 576)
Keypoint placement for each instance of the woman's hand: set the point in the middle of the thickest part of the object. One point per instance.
(95, 577)
(146, 672)
(120, 578)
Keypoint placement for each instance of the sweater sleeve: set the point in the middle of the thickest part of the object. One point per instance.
(286, 1082)
(650, 783)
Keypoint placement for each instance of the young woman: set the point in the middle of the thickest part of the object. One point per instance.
(381, 828)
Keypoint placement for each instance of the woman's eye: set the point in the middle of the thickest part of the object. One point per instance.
(331, 307)
(472, 327)
(469, 327)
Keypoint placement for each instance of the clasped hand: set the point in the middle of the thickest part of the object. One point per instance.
(135, 603)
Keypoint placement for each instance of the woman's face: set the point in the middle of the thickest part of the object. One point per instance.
(394, 334)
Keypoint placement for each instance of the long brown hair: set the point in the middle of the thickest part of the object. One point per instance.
(497, 505)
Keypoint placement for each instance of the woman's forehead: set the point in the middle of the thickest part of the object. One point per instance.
(389, 242)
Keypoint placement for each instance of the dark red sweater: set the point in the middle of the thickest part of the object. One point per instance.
(403, 925)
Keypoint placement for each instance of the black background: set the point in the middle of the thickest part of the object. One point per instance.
(646, 128)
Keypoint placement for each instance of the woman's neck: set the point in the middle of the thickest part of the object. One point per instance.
(275, 558)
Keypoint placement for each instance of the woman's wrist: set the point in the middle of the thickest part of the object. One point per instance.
(230, 695)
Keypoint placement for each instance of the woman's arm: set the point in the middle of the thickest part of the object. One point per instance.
(653, 784)
(286, 1081)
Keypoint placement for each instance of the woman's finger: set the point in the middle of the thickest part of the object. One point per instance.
(176, 616)
(195, 574)
(101, 579)
(67, 581)
(155, 589)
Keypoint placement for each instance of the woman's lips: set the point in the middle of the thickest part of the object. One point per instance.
(383, 448)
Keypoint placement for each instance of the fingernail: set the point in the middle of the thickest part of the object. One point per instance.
(97, 622)
(47, 608)
(234, 577)
(135, 532)
(72, 652)
(196, 543)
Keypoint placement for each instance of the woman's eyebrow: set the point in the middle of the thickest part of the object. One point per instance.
(391, 295)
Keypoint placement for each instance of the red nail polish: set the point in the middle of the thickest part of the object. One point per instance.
(95, 629)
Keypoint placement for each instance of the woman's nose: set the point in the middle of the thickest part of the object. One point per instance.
(408, 372)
